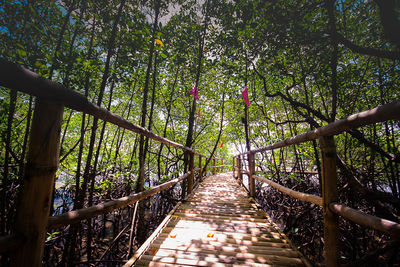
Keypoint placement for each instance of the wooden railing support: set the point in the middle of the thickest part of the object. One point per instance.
(240, 175)
(329, 195)
(191, 176)
(215, 164)
(38, 180)
(222, 163)
(201, 169)
(252, 167)
(233, 167)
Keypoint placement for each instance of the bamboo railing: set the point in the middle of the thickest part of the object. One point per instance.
(27, 243)
(329, 201)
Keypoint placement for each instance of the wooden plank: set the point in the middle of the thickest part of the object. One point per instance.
(272, 259)
(225, 237)
(210, 253)
(159, 264)
(243, 237)
(38, 181)
(149, 240)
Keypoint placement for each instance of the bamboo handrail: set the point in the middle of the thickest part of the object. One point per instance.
(10, 242)
(370, 221)
(24, 80)
(382, 113)
(85, 213)
(299, 195)
(220, 166)
(331, 209)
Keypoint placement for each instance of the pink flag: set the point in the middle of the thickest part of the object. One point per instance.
(195, 92)
(245, 96)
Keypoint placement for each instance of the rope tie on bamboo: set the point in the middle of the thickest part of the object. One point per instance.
(40, 170)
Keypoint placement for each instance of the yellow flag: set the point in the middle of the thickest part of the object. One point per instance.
(159, 42)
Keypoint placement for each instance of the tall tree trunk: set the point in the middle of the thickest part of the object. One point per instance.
(334, 57)
(69, 251)
(93, 176)
(219, 135)
(166, 123)
(153, 94)
(142, 152)
(60, 39)
(6, 180)
(127, 117)
(189, 137)
(246, 115)
(110, 53)
(86, 174)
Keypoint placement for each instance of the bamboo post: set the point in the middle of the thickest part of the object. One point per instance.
(38, 180)
(222, 163)
(252, 187)
(240, 175)
(329, 195)
(201, 169)
(233, 167)
(214, 168)
(191, 176)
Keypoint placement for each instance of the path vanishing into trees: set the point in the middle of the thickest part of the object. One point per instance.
(121, 119)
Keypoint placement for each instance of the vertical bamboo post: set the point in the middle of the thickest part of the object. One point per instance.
(329, 194)
(201, 170)
(240, 175)
(214, 168)
(191, 176)
(233, 167)
(252, 164)
(222, 163)
(38, 180)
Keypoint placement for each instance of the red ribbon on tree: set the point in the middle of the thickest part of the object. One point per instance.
(245, 96)
(195, 91)
(221, 144)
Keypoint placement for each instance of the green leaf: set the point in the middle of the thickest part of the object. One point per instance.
(21, 52)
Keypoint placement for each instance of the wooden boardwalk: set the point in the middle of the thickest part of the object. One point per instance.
(219, 225)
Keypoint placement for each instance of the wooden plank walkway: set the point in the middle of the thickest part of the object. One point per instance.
(219, 225)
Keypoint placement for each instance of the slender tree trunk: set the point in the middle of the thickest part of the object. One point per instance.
(189, 137)
(26, 136)
(166, 123)
(93, 178)
(219, 135)
(69, 250)
(60, 39)
(127, 117)
(86, 175)
(153, 93)
(6, 180)
(142, 152)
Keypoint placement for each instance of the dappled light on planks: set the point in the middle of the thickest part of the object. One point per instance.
(219, 225)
